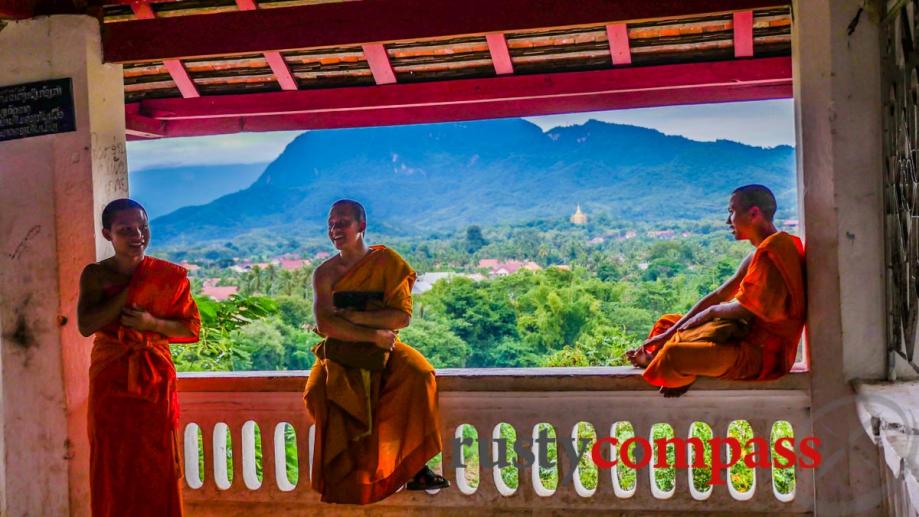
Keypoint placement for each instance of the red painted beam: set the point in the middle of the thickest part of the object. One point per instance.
(176, 69)
(618, 36)
(369, 21)
(380, 67)
(141, 127)
(275, 60)
(470, 99)
(446, 113)
(500, 56)
(743, 34)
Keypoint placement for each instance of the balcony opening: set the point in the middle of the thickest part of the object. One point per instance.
(540, 242)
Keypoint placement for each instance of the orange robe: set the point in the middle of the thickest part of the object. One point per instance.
(135, 464)
(773, 290)
(374, 430)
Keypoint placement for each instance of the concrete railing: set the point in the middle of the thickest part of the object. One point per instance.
(235, 404)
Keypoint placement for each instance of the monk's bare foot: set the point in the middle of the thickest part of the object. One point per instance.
(674, 392)
(640, 358)
(427, 479)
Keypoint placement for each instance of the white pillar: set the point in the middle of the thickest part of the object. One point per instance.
(52, 190)
(838, 121)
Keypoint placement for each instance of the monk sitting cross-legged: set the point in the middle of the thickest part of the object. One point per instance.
(373, 398)
(748, 328)
(136, 306)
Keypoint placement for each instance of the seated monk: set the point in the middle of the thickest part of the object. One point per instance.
(135, 306)
(748, 328)
(373, 398)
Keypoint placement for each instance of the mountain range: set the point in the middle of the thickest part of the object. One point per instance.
(433, 177)
(164, 190)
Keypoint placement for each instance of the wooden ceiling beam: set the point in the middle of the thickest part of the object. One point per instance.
(743, 34)
(500, 56)
(470, 99)
(176, 69)
(275, 60)
(619, 49)
(375, 21)
(380, 67)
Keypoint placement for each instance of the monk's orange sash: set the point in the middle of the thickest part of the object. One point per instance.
(774, 291)
(162, 289)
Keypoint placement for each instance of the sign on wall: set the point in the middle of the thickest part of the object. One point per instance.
(33, 109)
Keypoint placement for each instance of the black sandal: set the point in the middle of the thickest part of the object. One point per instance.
(427, 479)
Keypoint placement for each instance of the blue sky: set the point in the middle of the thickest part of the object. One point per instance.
(762, 123)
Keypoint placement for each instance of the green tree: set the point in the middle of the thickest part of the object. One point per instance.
(474, 239)
(434, 339)
(260, 344)
(219, 320)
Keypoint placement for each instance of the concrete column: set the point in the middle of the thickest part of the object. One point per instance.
(52, 190)
(838, 121)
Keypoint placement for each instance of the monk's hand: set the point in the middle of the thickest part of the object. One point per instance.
(138, 319)
(348, 315)
(700, 319)
(657, 341)
(385, 339)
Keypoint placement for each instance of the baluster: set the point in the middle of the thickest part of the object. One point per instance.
(524, 427)
(189, 449)
(207, 443)
(578, 490)
(236, 437)
(720, 496)
(641, 425)
(565, 429)
(303, 428)
(484, 424)
(701, 493)
(269, 472)
(604, 495)
(222, 472)
(682, 477)
(763, 483)
(283, 482)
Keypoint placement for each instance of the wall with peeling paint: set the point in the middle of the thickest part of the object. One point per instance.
(838, 121)
(52, 190)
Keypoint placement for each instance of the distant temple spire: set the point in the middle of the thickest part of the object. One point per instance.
(579, 217)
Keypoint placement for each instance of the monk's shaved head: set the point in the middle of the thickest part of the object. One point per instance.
(357, 210)
(759, 196)
(118, 205)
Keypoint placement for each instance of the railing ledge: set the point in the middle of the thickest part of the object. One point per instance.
(616, 378)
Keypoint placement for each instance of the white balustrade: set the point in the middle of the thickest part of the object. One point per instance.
(255, 410)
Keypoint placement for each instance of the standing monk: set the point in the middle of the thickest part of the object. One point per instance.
(373, 398)
(748, 328)
(136, 306)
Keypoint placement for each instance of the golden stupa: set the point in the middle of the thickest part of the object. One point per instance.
(579, 217)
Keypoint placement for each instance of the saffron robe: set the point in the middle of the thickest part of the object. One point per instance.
(135, 463)
(374, 430)
(773, 290)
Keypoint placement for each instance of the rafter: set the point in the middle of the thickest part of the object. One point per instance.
(618, 35)
(274, 58)
(743, 34)
(500, 56)
(176, 69)
(380, 67)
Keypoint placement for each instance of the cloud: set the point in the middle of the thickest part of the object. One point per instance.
(208, 150)
(762, 123)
